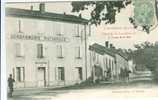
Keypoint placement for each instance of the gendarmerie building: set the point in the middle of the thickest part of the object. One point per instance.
(45, 48)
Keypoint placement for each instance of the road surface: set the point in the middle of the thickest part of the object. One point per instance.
(88, 92)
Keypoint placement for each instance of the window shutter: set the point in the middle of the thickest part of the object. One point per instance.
(59, 51)
(22, 73)
(56, 73)
(79, 52)
(62, 28)
(62, 73)
(39, 50)
(20, 26)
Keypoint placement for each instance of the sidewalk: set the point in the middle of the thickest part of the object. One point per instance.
(39, 88)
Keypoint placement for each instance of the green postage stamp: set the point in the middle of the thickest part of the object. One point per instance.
(144, 12)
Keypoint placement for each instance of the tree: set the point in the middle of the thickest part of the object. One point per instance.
(146, 56)
(98, 14)
(106, 11)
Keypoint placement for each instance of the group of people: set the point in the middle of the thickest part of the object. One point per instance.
(124, 74)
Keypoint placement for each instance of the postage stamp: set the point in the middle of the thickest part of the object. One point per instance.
(144, 12)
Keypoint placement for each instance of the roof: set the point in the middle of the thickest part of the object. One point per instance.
(104, 50)
(101, 49)
(16, 12)
(122, 55)
(119, 52)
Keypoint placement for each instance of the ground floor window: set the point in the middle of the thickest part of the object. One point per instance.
(20, 74)
(61, 73)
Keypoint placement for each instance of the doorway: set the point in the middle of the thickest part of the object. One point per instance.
(41, 76)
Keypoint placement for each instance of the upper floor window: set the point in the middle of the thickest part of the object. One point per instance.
(109, 63)
(62, 28)
(78, 52)
(41, 27)
(20, 26)
(79, 30)
(19, 50)
(59, 28)
(59, 51)
(40, 51)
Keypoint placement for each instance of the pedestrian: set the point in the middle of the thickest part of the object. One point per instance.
(11, 85)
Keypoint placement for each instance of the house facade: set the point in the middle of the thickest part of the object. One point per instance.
(102, 62)
(45, 48)
(113, 64)
(122, 66)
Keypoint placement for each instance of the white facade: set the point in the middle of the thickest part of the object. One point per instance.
(113, 63)
(103, 60)
(45, 53)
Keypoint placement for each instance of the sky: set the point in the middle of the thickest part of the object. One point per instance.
(104, 32)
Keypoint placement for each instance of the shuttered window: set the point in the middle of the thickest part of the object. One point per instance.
(78, 52)
(61, 73)
(20, 74)
(80, 73)
(59, 51)
(40, 51)
(20, 26)
(19, 50)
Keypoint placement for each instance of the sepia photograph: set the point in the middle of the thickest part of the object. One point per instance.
(81, 50)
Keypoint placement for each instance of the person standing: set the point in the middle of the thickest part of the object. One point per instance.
(11, 85)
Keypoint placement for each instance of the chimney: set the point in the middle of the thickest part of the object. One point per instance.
(42, 7)
(107, 44)
(80, 15)
(31, 7)
(111, 45)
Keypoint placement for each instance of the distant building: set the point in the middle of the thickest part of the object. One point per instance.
(44, 48)
(132, 65)
(122, 65)
(112, 62)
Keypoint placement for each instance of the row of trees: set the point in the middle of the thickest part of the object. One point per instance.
(145, 56)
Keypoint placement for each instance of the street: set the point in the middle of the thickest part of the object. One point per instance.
(80, 92)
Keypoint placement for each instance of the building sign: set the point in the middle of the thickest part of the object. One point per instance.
(40, 38)
(41, 64)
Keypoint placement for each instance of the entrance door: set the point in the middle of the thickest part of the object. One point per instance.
(41, 76)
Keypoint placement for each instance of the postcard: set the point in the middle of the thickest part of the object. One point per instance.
(79, 50)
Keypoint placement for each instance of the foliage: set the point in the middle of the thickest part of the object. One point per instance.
(99, 14)
(106, 11)
(146, 54)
